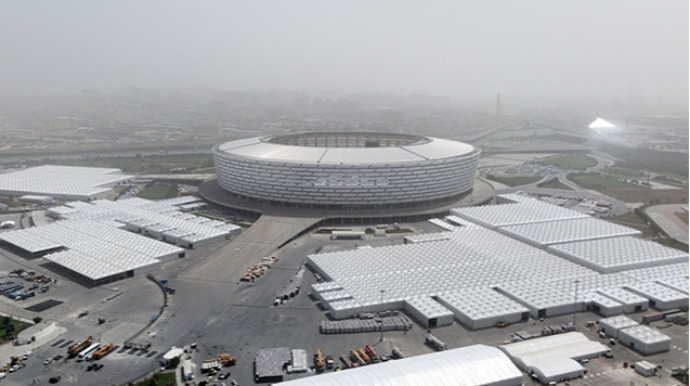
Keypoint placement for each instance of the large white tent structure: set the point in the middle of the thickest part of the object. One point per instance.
(477, 365)
(91, 242)
(62, 182)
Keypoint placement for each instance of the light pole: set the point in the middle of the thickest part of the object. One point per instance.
(381, 317)
(577, 282)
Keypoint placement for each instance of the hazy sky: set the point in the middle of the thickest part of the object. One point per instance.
(540, 49)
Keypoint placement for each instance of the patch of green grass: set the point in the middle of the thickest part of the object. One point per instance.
(161, 379)
(554, 183)
(570, 161)
(140, 164)
(515, 181)
(676, 176)
(9, 328)
(561, 138)
(623, 173)
(665, 162)
(682, 377)
(159, 191)
(601, 183)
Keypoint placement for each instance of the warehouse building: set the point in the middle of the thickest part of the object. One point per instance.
(481, 307)
(528, 211)
(543, 234)
(554, 358)
(619, 254)
(477, 365)
(63, 182)
(645, 340)
(631, 302)
(614, 325)
(660, 297)
(91, 243)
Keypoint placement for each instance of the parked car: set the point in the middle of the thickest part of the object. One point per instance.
(55, 379)
(48, 361)
(98, 366)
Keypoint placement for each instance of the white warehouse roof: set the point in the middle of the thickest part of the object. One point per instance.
(540, 351)
(619, 254)
(477, 365)
(645, 334)
(62, 181)
(527, 212)
(660, 272)
(556, 232)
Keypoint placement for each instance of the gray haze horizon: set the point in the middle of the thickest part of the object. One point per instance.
(596, 51)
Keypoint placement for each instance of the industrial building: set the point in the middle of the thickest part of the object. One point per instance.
(614, 325)
(101, 242)
(477, 365)
(660, 297)
(434, 276)
(554, 358)
(63, 182)
(645, 340)
(335, 170)
(618, 254)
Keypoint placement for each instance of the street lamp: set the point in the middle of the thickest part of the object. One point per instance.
(577, 282)
(381, 317)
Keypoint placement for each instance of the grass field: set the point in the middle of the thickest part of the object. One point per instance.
(164, 379)
(516, 181)
(601, 183)
(158, 191)
(664, 162)
(553, 183)
(9, 328)
(561, 138)
(570, 161)
(623, 173)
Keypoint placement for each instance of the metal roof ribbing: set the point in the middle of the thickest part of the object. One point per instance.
(645, 334)
(518, 198)
(460, 221)
(555, 232)
(601, 299)
(477, 365)
(481, 302)
(58, 180)
(621, 253)
(427, 306)
(443, 224)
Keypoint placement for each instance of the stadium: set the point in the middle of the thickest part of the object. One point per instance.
(357, 172)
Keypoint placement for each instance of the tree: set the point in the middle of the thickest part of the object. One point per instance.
(6, 321)
(174, 363)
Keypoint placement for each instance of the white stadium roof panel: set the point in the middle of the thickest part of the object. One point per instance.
(555, 232)
(477, 365)
(619, 254)
(29, 240)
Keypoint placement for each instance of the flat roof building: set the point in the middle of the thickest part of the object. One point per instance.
(63, 182)
(476, 365)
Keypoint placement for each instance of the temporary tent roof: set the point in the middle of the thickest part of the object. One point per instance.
(618, 254)
(527, 212)
(556, 232)
(467, 366)
(538, 351)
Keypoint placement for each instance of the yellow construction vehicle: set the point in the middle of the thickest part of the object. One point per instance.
(74, 350)
(103, 351)
(318, 358)
(226, 360)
